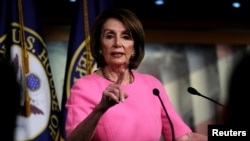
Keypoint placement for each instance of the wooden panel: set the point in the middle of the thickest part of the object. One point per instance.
(217, 36)
(197, 36)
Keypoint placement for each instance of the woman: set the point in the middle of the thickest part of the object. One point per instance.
(116, 103)
(8, 78)
(238, 91)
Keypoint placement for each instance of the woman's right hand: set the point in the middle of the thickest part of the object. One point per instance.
(113, 94)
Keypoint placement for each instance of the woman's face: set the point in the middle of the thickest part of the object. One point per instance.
(116, 43)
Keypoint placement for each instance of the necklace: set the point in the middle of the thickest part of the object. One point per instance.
(107, 77)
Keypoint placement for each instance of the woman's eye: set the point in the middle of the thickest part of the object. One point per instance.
(127, 37)
(109, 36)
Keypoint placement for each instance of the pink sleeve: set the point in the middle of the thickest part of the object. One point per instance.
(180, 127)
(78, 105)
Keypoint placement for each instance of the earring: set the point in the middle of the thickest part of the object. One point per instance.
(133, 55)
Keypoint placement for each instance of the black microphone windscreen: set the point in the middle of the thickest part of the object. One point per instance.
(193, 91)
(156, 92)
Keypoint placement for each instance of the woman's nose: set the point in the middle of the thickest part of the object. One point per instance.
(118, 42)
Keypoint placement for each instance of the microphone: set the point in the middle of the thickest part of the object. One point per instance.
(157, 93)
(195, 92)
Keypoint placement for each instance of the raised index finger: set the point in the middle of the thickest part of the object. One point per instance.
(120, 78)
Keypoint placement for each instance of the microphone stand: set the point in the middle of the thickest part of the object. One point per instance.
(156, 92)
(195, 92)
